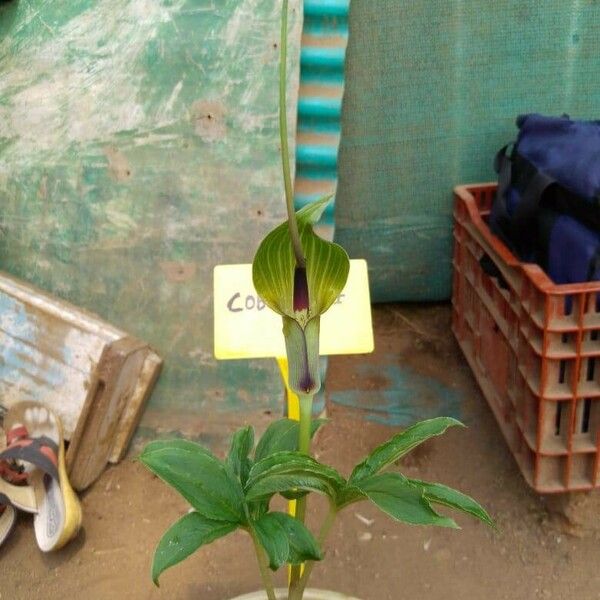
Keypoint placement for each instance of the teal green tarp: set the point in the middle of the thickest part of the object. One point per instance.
(432, 91)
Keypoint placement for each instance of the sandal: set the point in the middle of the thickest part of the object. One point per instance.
(8, 518)
(8, 512)
(21, 495)
(36, 444)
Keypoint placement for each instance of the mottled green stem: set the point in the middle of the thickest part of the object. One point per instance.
(308, 567)
(306, 402)
(264, 567)
(283, 133)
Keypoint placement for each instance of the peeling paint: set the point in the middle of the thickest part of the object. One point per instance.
(118, 165)
(178, 272)
(209, 120)
(119, 194)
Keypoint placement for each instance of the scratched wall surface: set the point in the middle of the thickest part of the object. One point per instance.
(432, 91)
(139, 148)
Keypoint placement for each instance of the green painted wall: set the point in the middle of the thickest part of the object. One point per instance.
(139, 148)
(432, 91)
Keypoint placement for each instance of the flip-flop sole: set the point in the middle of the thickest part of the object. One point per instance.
(59, 512)
(22, 497)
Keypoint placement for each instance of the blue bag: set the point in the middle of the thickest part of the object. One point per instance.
(554, 164)
(567, 250)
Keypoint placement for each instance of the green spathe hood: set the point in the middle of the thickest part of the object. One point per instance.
(301, 294)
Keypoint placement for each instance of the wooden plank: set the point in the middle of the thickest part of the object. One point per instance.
(117, 374)
(93, 375)
(27, 373)
(132, 413)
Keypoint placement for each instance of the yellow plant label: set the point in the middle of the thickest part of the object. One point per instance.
(245, 328)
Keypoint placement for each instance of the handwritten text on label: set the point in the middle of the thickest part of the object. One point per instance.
(237, 303)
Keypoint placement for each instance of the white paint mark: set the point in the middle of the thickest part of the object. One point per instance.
(156, 139)
(202, 356)
(168, 109)
(118, 218)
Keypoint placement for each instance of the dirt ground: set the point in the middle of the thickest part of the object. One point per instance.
(534, 554)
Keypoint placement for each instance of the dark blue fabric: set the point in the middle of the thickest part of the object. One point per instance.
(554, 165)
(512, 200)
(573, 252)
(564, 149)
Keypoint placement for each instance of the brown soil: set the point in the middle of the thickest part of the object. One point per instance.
(530, 556)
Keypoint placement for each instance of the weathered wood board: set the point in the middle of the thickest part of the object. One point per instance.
(138, 149)
(95, 377)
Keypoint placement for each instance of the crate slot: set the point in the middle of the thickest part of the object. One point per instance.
(560, 378)
(589, 380)
(590, 343)
(586, 424)
(553, 426)
(563, 311)
(586, 414)
(591, 310)
(591, 368)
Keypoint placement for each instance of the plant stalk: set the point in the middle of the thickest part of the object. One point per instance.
(306, 402)
(283, 133)
(264, 567)
(323, 533)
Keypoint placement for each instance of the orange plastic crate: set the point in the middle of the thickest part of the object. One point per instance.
(534, 348)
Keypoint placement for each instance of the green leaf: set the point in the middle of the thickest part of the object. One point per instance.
(348, 495)
(281, 436)
(401, 500)
(294, 494)
(399, 445)
(274, 265)
(199, 477)
(286, 540)
(174, 443)
(242, 444)
(287, 484)
(291, 472)
(302, 544)
(258, 508)
(273, 539)
(441, 494)
(311, 213)
(184, 538)
(327, 268)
